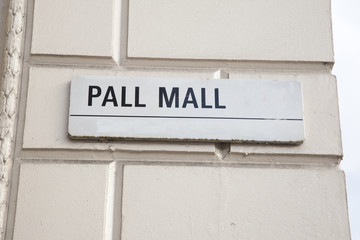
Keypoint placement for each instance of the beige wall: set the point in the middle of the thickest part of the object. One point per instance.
(90, 189)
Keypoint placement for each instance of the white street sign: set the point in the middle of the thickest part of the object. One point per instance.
(186, 109)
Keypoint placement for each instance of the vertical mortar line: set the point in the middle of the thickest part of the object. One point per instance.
(10, 80)
(24, 84)
(124, 31)
(222, 149)
(116, 29)
(119, 201)
(110, 198)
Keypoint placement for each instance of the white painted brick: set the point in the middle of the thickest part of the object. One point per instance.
(80, 27)
(284, 30)
(48, 96)
(61, 201)
(164, 202)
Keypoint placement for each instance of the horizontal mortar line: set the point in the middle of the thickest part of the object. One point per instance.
(186, 117)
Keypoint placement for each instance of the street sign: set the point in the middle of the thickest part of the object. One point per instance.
(186, 109)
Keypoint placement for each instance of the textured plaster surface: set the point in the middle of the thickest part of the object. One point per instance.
(4, 8)
(9, 99)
